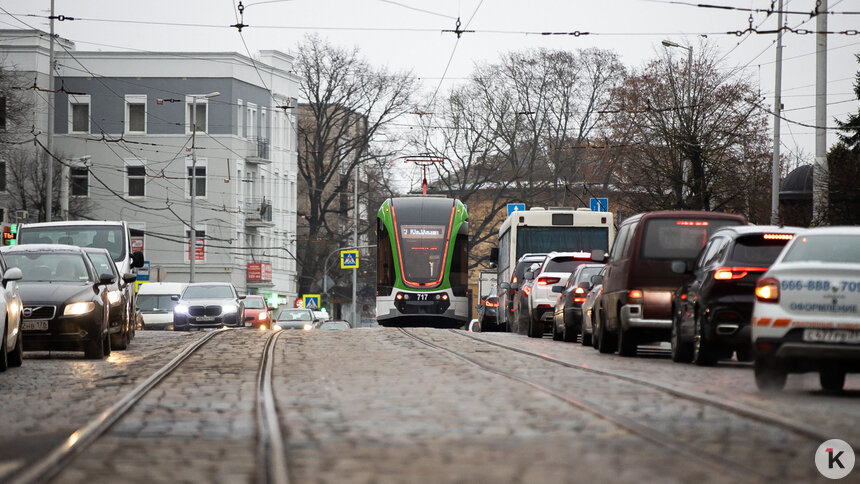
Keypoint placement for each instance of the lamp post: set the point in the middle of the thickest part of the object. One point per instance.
(193, 249)
(669, 43)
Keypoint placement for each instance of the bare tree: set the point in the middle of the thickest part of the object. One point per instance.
(348, 106)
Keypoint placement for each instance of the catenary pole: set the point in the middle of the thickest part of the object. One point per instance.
(49, 182)
(193, 249)
(777, 108)
(821, 173)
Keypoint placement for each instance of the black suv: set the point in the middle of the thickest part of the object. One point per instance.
(712, 311)
(208, 305)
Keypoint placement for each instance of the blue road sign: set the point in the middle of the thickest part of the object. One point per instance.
(599, 204)
(311, 301)
(143, 272)
(349, 259)
(514, 207)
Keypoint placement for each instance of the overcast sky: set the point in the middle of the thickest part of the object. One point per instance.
(406, 34)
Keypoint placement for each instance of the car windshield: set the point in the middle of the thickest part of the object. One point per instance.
(564, 264)
(294, 315)
(522, 266)
(102, 237)
(255, 303)
(102, 263)
(49, 266)
(756, 249)
(332, 325)
(155, 302)
(586, 273)
(669, 238)
(831, 248)
(208, 292)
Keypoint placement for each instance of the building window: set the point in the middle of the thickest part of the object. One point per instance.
(80, 181)
(200, 177)
(135, 113)
(240, 121)
(135, 178)
(2, 176)
(202, 105)
(79, 114)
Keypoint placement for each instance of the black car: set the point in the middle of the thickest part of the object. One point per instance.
(508, 290)
(121, 323)
(208, 305)
(712, 310)
(65, 299)
(567, 316)
(488, 312)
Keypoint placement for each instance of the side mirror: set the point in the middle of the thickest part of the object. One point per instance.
(585, 285)
(136, 259)
(598, 255)
(272, 308)
(504, 286)
(242, 296)
(477, 306)
(106, 279)
(679, 267)
(515, 286)
(597, 279)
(529, 275)
(174, 297)
(558, 289)
(128, 278)
(12, 274)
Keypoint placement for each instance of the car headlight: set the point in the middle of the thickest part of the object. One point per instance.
(263, 316)
(78, 308)
(114, 297)
(181, 309)
(308, 327)
(229, 308)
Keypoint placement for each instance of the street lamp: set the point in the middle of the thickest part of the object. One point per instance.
(193, 249)
(669, 43)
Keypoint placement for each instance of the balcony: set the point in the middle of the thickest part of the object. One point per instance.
(258, 151)
(258, 213)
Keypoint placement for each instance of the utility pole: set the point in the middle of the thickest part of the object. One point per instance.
(777, 108)
(355, 244)
(49, 189)
(193, 249)
(821, 172)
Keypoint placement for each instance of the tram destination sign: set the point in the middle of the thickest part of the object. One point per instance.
(422, 231)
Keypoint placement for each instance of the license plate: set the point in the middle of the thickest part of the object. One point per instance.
(206, 318)
(831, 336)
(38, 325)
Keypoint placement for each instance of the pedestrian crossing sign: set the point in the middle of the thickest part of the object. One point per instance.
(349, 259)
(311, 301)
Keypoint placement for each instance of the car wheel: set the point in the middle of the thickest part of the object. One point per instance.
(703, 351)
(585, 339)
(769, 375)
(557, 333)
(95, 349)
(832, 379)
(4, 358)
(16, 357)
(535, 328)
(568, 334)
(106, 344)
(607, 342)
(119, 340)
(626, 342)
(594, 334)
(681, 352)
(745, 354)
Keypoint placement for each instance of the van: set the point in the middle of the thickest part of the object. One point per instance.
(638, 282)
(155, 304)
(111, 235)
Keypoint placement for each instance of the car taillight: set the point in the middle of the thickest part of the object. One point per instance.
(767, 290)
(543, 281)
(777, 236)
(491, 304)
(579, 300)
(527, 290)
(729, 273)
(634, 296)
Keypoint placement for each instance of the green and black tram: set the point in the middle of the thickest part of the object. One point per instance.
(422, 262)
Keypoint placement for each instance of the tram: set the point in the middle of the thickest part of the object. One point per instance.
(422, 262)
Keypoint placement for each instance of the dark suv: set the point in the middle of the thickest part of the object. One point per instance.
(208, 305)
(638, 283)
(712, 311)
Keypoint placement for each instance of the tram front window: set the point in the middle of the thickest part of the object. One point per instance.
(423, 248)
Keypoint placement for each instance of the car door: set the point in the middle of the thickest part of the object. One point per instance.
(701, 274)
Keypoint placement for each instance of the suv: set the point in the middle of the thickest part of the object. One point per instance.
(712, 311)
(638, 284)
(537, 308)
(208, 305)
(508, 289)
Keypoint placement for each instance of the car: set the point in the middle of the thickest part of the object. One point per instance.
(806, 317)
(208, 305)
(11, 339)
(636, 304)
(296, 318)
(519, 321)
(588, 313)
(567, 314)
(121, 323)
(66, 305)
(257, 311)
(536, 310)
(711, 311)
(335, 324)
(155, 303)
(488, 311)
(508, 289)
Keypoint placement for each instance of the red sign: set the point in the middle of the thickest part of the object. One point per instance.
(259, 272)
(199, 250)
(137, 244)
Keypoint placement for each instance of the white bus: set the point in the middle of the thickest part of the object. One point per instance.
(540, 231)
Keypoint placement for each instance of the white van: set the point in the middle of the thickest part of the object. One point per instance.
(155, 304)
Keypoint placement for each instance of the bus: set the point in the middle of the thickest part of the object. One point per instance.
(422, 262)
(541, 231)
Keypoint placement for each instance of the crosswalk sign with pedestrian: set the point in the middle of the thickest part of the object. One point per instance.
(311, 301)
(349, 259)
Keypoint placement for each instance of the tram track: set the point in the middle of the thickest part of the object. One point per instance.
(272, 463)
(722, 464)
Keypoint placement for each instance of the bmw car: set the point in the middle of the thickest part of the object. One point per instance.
(208, 305)
(66, 305)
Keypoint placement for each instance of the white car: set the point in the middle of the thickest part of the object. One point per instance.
(554, 271)
(807, 311)
(11, 345)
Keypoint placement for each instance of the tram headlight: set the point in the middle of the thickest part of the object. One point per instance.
(444, 297)
(399, 296)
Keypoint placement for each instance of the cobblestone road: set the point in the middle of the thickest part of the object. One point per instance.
(374, 405)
